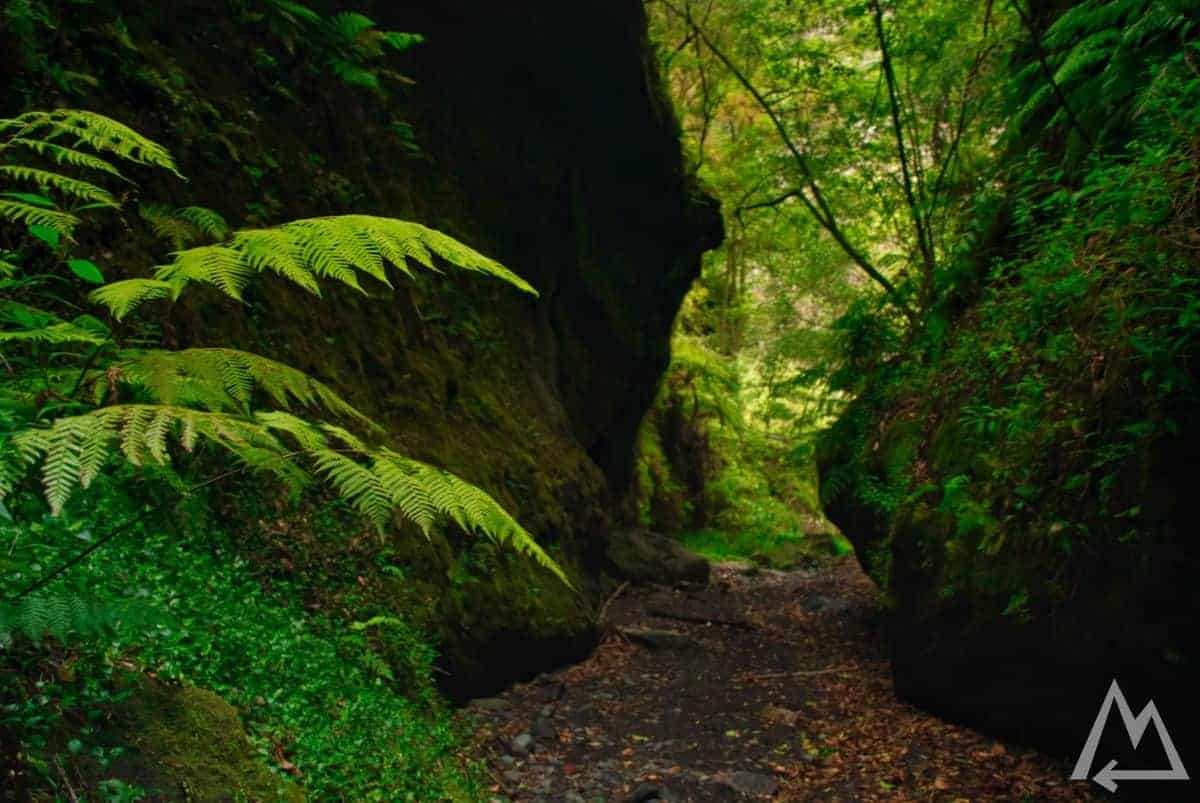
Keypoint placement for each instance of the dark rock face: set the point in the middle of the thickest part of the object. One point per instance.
(553, 115)
(559, 153)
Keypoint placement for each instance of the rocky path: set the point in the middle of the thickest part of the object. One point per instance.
(761, 685)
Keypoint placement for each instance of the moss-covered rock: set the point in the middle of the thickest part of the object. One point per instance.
(180, 743)
(647, 557)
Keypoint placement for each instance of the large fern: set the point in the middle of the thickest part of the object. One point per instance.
(1099, 54)
(341, 248)
(62, 614)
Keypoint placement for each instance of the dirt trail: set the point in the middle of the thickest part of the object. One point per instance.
(772, 685)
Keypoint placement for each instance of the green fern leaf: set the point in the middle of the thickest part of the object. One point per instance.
(67, 156)
(31, 215)
(362, 487)
(70, 187)
(330, 247)
(57, 334)
(220, 266)
(219, 379)
(206, 221)
(123, 297)
(100, 133)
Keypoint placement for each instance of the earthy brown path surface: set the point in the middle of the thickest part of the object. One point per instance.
(760, 686)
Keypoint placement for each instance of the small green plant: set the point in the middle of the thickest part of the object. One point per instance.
(348, 44)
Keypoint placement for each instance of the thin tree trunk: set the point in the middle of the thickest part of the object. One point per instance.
(914, 208)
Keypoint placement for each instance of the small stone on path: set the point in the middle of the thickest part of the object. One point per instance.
(753, 784)
(490, 704)
(658, 639)
(522, 745)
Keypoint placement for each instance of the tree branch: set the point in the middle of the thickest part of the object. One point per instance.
(914, 208)
(816, 205)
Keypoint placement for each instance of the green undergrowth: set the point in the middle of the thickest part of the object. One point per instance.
(775, 550)
(346, 711)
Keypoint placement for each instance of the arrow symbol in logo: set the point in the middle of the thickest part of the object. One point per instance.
(1109, 776)
(1136, 728)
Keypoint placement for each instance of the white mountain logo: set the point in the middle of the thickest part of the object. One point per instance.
(1135, 727)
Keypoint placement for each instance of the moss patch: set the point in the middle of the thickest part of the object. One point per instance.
(180, 743)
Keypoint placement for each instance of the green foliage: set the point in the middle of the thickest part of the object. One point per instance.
(702, 466)
(774, 549)
(347, 43)
(50, 211)
(185, 227)
(63, 616)
(353, 709)
(1102, 58)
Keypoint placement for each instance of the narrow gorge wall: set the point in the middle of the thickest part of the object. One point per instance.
(546, 142)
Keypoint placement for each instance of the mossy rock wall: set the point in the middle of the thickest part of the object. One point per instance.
(1021, 639)
(547, 143)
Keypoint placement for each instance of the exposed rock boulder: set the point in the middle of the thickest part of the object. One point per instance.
(646, 557)
(187, 744)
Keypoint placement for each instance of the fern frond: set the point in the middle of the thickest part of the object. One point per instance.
(417, 487)
(205, 220)
(273, 250)
(98, 132)
(332, 247)
(63, 460)
(1088, 17)
(123, 297)
(379, 483)
(185, 227)
(33, 325)
(14, 464)
(73, 188)
(67, 156)
(220, 379)
(30, 215)
(55, 334)
(74, 448)
(1092, 50)
(220, 266)
(358, 484)
(62, 614)
(349, 25)
(310, 437)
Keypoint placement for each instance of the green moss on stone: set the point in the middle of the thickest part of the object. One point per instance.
(189, 744)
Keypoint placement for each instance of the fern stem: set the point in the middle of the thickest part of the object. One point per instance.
(87, 366)
(46, 579)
